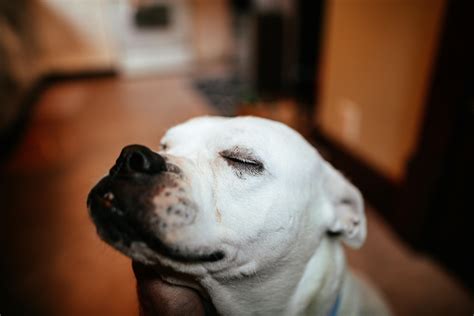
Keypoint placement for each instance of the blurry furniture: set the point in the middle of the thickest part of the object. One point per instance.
(151, 36)
(269, 52)
(19, 68)
(286, 48)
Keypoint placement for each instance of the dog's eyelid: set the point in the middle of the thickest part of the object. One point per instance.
(243, 162)
(240, 156)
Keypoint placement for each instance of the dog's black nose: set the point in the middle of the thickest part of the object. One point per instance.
(138, 159)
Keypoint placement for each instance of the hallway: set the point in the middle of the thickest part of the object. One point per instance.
(52, 261)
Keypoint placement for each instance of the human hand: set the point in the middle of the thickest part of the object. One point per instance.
(157, 297)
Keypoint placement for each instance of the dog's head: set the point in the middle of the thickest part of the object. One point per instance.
(222, 194)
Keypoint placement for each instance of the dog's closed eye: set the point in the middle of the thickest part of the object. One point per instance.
(242, 162)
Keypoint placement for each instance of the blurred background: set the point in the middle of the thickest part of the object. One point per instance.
(383, 88)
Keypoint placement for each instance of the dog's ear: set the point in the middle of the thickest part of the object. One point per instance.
(347, 217)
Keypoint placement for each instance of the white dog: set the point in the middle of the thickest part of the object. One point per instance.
(247, 209)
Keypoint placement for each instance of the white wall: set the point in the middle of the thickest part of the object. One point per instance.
(73, 35)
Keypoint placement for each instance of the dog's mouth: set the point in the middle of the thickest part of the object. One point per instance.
(123, 215)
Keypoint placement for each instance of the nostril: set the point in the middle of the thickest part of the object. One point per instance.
(138, 162)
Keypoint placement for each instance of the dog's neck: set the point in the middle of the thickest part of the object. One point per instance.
(289, 288)
(321, 283)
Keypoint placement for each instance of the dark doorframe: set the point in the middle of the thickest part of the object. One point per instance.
(431, 208)
(434, 212)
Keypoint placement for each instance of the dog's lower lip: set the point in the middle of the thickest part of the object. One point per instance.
(175, 254)
(191, 258)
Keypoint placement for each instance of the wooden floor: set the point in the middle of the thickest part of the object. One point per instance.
(52, 262)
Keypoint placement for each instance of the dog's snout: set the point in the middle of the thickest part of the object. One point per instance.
(138, 159)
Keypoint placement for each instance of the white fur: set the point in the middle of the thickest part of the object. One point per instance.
(273, 226)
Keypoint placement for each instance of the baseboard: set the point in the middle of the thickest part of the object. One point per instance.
(12, 135)
(54, 77)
